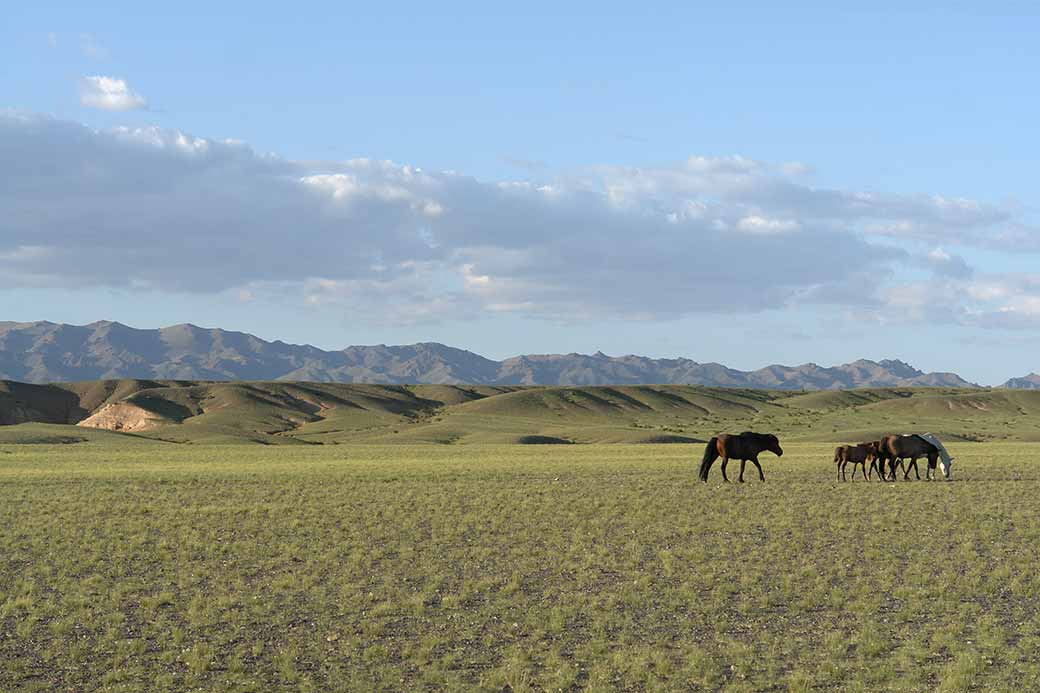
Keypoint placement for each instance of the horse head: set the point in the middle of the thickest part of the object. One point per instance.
(773, 445)
(945, 460)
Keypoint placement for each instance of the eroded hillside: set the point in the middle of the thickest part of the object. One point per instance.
(323, 413)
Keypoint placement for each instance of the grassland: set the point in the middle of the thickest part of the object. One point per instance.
(130, 564)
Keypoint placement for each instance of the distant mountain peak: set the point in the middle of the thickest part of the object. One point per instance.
(51, 352)
(1026, 382)
(899, 366)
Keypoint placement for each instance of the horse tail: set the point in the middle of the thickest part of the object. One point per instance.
(837, 454)
(711, 453)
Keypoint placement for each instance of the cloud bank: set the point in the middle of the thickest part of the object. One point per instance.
(162, 210)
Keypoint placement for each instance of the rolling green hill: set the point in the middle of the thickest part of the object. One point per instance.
(284, 413)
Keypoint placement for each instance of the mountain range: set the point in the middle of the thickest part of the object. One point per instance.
(40, 352)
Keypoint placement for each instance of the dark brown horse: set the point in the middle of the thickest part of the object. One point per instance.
(894, 448)
(861, 455)
(744, 447)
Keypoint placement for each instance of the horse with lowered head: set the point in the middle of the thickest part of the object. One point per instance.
(744, 447)
(895, 448)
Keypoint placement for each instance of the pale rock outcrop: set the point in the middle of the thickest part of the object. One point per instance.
(125, 417)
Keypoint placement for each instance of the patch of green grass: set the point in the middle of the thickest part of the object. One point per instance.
(43, 434)
(137, 565)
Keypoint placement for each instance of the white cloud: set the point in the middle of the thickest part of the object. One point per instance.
(945, 264)
(109, 94)
(756, 224)
(163, 210)
(1008, 301)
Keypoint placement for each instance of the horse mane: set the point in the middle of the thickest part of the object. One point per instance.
(931, 438)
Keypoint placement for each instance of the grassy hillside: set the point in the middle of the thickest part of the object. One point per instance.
(277, 413)
(61, 434)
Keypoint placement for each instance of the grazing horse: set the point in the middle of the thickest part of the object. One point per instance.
(895, 448)
(860, 454)
(945, 460)
(743, 447)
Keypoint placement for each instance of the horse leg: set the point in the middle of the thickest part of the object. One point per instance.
(725, 460)
(863, 470)
(742, 463)
(761, 476)
(913, 463)
(841, 466)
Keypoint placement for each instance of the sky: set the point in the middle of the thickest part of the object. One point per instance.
(751, 184)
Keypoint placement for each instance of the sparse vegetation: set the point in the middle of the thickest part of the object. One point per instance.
(321, 413)
(130, 564)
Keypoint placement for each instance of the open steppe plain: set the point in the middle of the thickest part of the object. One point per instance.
(135, 564)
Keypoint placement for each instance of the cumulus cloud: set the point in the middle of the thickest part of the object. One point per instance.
(1007, 301)
(163, 210)
(109, 94)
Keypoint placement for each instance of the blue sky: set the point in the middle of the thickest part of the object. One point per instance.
(562, 180)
